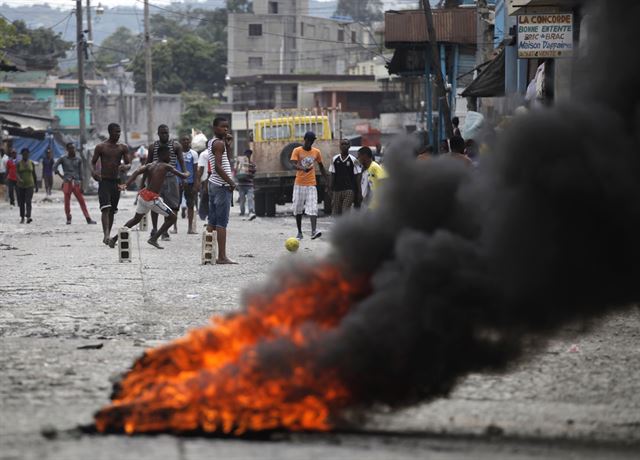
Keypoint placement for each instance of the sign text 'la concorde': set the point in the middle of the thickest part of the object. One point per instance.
(545, 35)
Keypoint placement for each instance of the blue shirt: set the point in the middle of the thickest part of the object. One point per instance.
(191, 163)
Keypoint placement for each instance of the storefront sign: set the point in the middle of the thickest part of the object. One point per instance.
(545, 35)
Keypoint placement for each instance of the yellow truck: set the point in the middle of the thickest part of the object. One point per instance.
(274, 136)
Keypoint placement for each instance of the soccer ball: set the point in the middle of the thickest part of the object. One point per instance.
(292, 244)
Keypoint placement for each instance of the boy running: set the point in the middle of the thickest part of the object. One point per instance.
(149, 199)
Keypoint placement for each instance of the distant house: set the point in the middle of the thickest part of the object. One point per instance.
(54, 97)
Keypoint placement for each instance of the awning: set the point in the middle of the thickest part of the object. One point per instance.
(26, 120)
(489, 83)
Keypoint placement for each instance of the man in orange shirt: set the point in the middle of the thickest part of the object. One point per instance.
(305, 194)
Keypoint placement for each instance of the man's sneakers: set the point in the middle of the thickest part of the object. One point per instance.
(252, 216)
(68, 220)
(316, 234)
(90, 221)
(164, 237)
(300, 236)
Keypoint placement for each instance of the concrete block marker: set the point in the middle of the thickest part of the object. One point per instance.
(124, 245)
(209, 247)
(142, 226)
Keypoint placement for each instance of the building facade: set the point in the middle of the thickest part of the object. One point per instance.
(60, 97)
(280, 38)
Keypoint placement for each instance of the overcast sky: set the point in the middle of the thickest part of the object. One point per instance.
(71, 3)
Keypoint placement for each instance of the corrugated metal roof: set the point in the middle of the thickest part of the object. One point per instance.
(456, 25)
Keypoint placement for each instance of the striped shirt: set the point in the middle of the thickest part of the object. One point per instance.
(173, 157)
(215, 178)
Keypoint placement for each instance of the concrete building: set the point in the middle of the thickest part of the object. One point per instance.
(280, 38)
(523, 77)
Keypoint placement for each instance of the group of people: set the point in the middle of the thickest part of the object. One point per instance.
(19, 176)
(174, 173)
(351, 181)
(455, 147)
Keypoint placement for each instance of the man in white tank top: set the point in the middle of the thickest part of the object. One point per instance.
(220, 185)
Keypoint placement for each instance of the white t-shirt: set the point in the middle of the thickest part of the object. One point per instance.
(203, 161)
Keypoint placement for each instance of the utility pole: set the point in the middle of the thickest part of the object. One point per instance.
(80, 44)
(435, 66)
(147, 72)
(123, 107)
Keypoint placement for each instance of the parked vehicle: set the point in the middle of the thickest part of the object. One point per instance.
(275, 134)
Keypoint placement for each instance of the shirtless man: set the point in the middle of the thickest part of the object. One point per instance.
(149, 199)
(171, 189)
(111, 155)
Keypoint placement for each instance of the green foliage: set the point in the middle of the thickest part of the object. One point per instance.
(10, 36)
(361, 11)
(122, 44)
(192, 55)
(42, 49)
(198, 113)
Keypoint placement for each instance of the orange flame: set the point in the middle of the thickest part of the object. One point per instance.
(212, 379)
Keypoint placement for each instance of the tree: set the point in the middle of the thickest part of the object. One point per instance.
(365, 11)
(192, 55)
(198, 112)
(43, 49)
(122, 44)
(10, 36)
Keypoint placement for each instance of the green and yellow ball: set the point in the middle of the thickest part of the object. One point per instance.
(292, 244)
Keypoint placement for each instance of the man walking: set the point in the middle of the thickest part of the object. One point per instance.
(220, 186)
(12, 176)
(47, 171)
(188, 189)
(26, 182)
(245, 172)
(372, 174)
(171, 189)
(305, 194)
(149, 198)
(344, 180)
(72, 182)
(111, 155)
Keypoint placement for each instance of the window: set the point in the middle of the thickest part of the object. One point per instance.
(67, 98)
(273, 7)
(255, 30)
(353, 36)
(326, 33)
(302, 29)
(255, 62)
(301, 129)
(311, 29)
(276, 132)
(372, 70)
(340, 35)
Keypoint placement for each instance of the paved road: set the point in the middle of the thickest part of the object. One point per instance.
(61, 289)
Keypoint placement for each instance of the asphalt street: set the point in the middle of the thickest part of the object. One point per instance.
(61, 289)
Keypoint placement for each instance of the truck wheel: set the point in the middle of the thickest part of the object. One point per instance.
(259, 204)
(285, 155)
(270, 204)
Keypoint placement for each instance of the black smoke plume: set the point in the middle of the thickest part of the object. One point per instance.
(468, 266)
